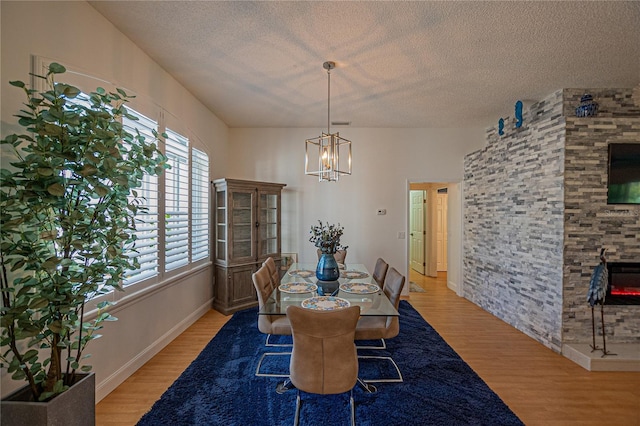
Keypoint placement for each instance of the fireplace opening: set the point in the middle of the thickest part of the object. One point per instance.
(624, 284)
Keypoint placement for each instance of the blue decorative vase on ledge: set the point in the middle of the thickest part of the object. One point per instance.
(327, 269)
(588, 107)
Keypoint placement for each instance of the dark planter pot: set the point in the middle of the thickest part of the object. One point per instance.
(75, 407)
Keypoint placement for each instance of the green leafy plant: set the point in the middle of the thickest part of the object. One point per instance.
(327, 237)
(67, 226)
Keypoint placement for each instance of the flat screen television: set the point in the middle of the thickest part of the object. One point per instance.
(624, 173)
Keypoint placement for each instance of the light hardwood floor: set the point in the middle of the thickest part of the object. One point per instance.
(540, 386)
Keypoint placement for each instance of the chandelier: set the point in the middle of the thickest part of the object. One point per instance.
(324, 152)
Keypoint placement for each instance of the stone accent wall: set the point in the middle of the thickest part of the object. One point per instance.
(514, 221)
(590, 223)
(536, 216)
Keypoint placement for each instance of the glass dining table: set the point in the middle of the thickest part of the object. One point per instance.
(300, 287)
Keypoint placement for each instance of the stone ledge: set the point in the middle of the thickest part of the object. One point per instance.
(627, 358)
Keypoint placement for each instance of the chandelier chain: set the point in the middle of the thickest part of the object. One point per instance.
(329, 100)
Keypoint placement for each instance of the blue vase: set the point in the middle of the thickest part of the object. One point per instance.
(327, 269)
(588, 107)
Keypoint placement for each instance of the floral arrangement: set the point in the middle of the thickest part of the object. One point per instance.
(327, 237)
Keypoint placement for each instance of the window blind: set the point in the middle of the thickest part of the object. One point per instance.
(146, 244)
(199, 205)
(176, 201)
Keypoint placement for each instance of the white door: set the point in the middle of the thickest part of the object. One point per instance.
(441, 231)
(416, 230)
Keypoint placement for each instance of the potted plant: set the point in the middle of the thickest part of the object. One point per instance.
(67, 226)
(326, 238)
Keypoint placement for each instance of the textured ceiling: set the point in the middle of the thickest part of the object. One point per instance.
(399, 64)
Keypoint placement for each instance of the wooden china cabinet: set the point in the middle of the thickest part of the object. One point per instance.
(247, 231)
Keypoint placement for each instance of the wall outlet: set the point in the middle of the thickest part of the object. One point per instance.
(401, 235)
(382, 211)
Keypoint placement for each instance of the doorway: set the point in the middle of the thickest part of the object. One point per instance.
(417, 200)
(428, 228)
(441, 229)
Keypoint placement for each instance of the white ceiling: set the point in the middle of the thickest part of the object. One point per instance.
(399, 64)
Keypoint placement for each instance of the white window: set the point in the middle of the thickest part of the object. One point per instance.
(180, 195)
(146, 244)
(199, 205)
(176, 201)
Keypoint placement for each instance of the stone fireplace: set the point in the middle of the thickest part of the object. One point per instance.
(536, 217)
(591, 223)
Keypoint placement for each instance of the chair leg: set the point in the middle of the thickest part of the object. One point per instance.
(264, 355)
(352, 405)
(296, 419)
(394, 380)
(383, 345)
(284, 386)
(366, 386)
(277, 345)
(353, 409)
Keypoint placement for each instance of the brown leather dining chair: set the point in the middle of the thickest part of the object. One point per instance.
(274, 282)
(380, 272)
(274, 275)
(269, 324)
(381, 328)
(324, 359)
(340, 255)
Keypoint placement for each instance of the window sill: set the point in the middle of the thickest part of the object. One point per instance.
(148, 291)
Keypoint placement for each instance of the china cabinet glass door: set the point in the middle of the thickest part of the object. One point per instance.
(221, 225)
(242, 225)
(268, 218)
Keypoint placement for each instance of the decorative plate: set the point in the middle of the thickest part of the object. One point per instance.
(359, 288)
(353, 274)
(325, 303)
(303, 273)
(297, 287)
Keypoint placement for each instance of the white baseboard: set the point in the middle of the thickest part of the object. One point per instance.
(106, 386)
(453, 287)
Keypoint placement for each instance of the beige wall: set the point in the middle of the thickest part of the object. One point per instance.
(385, 163)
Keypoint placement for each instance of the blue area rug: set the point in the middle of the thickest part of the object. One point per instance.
(220, 388)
